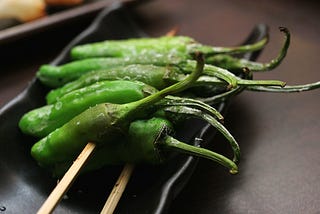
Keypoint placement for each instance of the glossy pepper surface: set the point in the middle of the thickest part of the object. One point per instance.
(147, 141)
(102, 124)
(160, 77)
(155, 51)
(181, 47)
(40, 122)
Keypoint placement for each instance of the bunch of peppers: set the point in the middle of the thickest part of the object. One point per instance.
(119, 95)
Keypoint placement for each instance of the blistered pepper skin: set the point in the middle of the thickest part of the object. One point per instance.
(162, 51)
(137, 146)
(182, 47)
(40, 122)
(155, 76)
(66, 142)
(102, 123)
(144, 47)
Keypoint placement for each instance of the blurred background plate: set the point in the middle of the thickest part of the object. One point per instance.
(11, 30)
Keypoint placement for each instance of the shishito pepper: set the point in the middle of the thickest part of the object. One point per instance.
(56, 76)
(41, 121)
(156, 76)
(102, 124)
(181, 47)
(147, 141)
(155, 51)
(118, 129)
(175, 104)
(106, 124)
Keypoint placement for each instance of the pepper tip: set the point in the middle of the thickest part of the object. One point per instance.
(234, 171)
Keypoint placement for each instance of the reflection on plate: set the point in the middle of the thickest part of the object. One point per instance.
(24, 186)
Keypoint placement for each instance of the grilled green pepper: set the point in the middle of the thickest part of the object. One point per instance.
(147, 141)
(41, 121)
(181, 47)
(102, 123)
(156, 76)
(157, 51)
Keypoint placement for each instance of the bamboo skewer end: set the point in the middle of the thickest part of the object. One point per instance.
(118, 189)
(67, 180)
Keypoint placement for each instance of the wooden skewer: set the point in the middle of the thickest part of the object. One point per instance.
(118, 190)
(67, 180)
(172, 32)
(62, 187)
(125, 175)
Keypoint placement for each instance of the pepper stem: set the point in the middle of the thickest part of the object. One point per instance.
(233, 63)
(209, 50)
(261, 82)
(178, 87)
(275, 62)
(187, 102)
(212, 121)
(219, 98)
(214, 71)
(172, 144)
(287, 89)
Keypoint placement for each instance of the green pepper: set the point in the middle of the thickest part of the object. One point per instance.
(102, 124)
(161, 51)
(235, 65)
(183, 111)
(107, 124)
(181, 106)
(168, 101)
(175, 50)
(147, 141)
(55, 76)
(41, 121)
(181, 47)
(156, 76)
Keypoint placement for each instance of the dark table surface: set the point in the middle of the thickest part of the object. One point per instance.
(279, 134)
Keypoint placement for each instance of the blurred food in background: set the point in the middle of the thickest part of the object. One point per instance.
(28, 10)
(22, 10)
(63, 2)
